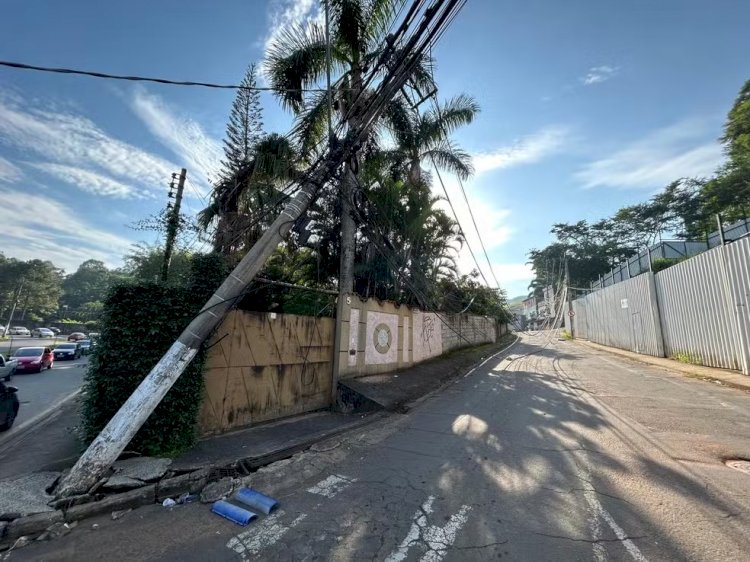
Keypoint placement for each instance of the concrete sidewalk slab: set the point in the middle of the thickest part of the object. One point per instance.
(726, 377)
(394, 391)
(257, 444)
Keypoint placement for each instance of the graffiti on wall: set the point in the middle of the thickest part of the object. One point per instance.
(427, 336)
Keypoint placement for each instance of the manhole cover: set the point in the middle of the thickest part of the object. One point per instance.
(738, 464)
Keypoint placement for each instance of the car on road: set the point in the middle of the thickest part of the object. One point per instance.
(2, 330)
(72, 350)
(33, 359)
(75, 336)
(19, 331)
(42, 333)
(8, 406)
(87, 346)
(55, 330)
(7, 368)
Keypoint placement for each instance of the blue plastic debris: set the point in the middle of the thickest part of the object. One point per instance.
(233, 512)
(256, 500)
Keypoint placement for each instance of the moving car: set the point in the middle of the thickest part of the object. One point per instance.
(19, 331)
(42, 333)
(68, 351)
(87, 346)
(75, 336)
(8, 406)
(33, 359)
(7, 368)
(55, 330)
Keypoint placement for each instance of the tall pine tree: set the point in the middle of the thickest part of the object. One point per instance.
(245, 127)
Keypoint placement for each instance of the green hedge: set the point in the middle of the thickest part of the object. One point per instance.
(139, 322)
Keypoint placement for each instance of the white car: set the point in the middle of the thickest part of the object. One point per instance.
(2, 331)
(19, 331)
(42, 333)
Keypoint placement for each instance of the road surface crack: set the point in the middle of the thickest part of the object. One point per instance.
(592, 541)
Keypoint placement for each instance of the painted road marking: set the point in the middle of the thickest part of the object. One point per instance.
(438, 539)
(267, 533)
(597, 511)
(332, 485)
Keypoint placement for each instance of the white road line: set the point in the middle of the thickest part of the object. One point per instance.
(438, 539)
(266, 533)
(597, 510)
(332, 485)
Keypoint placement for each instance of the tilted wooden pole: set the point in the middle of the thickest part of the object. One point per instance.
(113, 439)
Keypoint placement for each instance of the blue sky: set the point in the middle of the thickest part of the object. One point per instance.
(586, 106)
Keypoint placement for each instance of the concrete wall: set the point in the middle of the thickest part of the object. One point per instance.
(378, 337)
(264, 366)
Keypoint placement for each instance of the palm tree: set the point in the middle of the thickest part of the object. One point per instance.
(298, 60)
(244, 204)
(421, 136)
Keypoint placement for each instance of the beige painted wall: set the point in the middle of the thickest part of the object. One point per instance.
(264, 366)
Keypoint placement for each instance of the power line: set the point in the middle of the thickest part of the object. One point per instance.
(108, 76)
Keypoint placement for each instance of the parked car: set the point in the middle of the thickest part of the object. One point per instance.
(42, 333)
(19, 331)
(8, 406)
(55, 330)
(94, 335)
(7, 368)
(75, 336)
(2, 330)
(87, 346)
(33, 359)
(71, 350)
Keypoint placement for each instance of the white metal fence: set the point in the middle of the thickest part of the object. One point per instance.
(697, 310)
(622, 315)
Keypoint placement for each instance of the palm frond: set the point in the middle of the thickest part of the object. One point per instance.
(295, 60)
(206, 216)
(438, 123)
(311, 126)
(451, 158)
(380, 16)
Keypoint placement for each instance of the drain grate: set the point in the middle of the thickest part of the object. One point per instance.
(738, 464)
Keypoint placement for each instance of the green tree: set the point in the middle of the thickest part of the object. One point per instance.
(144, 263)
(89, 283)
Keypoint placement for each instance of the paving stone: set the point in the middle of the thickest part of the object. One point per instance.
(120, 483)
(26, 495)
(218, 490)
(148, 469)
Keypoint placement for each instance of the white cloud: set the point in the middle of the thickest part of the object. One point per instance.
(8, 172)
(491, 221)
(665, 155)
(599, 74)
(196, 150)
(49, 230)
(286, 13)
(527, 150)
(89, 181)
(69, 139)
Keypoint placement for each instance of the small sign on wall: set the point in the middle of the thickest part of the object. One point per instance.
(623, 303)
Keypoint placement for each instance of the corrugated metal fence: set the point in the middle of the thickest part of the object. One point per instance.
(622, 315)
(698, 310)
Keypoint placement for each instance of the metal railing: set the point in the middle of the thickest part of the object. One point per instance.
(670, 249)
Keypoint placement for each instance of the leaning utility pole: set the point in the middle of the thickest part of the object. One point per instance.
(115, 436)
(173, 223)
(568, 296)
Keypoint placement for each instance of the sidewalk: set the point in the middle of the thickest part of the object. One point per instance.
(726, 377)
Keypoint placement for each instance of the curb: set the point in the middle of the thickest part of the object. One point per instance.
(37, 421)
(689, 371)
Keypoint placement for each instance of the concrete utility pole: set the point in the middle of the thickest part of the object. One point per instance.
(113, 439)
(13, 308)
(173, 224)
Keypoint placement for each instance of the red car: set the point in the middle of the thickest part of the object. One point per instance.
(33, 359)
(75, 336)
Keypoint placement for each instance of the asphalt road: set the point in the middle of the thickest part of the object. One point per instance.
(560, 453)
(40, 392)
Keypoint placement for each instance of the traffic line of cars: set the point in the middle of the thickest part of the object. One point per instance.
(35, 360)
(25, 332)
